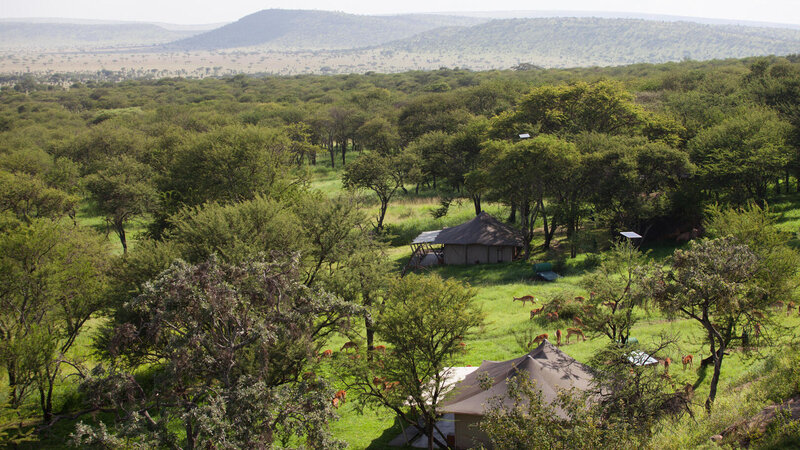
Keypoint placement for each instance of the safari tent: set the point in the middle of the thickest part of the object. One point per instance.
(481, 240)
(551, 368)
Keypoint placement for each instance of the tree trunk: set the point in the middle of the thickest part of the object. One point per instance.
(332, 151)
(476, 200)
(712, 391)
(119, 227)
(512, 217)
(344, 150)
(384, 206)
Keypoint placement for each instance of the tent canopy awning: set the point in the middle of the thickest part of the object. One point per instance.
(551, 368)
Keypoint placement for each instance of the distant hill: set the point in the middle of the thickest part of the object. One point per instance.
(52, 36)
(560, 42)
(280, 29)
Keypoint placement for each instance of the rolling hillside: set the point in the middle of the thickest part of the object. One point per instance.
(279, 29)
(52, 36)
(563, 42)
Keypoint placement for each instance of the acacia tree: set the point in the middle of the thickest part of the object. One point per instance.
(122, 190)
(377, 173)
(713, 283)
(226, 345)
(616, 292)
(423, 321)
(52, 279)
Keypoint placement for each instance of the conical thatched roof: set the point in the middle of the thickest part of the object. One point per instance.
(483, 229)
(551, 368)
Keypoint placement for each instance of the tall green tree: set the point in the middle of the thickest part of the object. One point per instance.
(423, 321)
(52, 281)
(740, 157)
(122, 190)
(227, 345)
(713, 283)
(378, 174)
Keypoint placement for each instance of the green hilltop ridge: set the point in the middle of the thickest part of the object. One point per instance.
(561, 42)
(280, 29)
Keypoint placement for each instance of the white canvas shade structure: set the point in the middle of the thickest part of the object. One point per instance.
(480, 240)
(549, 367)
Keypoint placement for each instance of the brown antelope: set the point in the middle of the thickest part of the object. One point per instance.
(609, 304)
(538, 339)
(558, 337)
(462, 345)
(687, 361)
(341, 395)
(667, 361)
(326, 354)
(535, 312)
(577, 321)
(575, 332)
(579, 299)
(553, 316)
(377, 381)
(525, 298)
(348, 345)
(335, 402)
(390, 385)
(379, 348)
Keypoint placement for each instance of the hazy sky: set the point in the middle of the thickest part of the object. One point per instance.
(205, 11)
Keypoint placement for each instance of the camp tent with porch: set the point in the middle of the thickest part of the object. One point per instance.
(481, 240)
(551, 368)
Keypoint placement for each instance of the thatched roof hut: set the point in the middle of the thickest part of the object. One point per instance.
(480, 240)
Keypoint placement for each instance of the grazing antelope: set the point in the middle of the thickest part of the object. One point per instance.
(335, 402)
(379, 348)
(579, 299)
(326, 354)
(538, 339)
(558, 337)
(553, 316)
(349, 344)
(687, 361)
(666, 362)
(377, 381)
(575, 332)
(577, 321)
(525, 298)
(390, 385)
(789, 308)
(341, 395)
(535, 312)
(462, 345)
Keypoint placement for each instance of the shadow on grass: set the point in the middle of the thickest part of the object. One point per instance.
(388, 434)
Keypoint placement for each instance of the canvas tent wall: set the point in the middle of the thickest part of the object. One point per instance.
(480, 240)
(551, 368)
